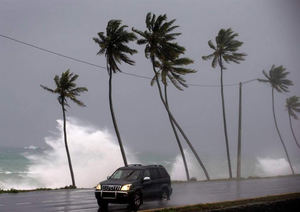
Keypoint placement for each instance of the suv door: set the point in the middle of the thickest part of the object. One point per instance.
(147, 185)
(165, 180)
(156, 182)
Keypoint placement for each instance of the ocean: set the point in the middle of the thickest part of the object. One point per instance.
(14, 165)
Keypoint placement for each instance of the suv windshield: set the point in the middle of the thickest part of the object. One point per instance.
(127, 174)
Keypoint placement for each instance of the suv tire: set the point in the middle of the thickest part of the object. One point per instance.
(102, 204)
(164, 195)
(136, 201)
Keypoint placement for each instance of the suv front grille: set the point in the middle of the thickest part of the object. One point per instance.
(111, 187)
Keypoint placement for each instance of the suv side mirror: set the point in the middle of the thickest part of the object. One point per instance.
(146, 179)
(108, 177)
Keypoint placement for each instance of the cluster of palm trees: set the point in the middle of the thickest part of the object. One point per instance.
(277, 78)
(168, 65)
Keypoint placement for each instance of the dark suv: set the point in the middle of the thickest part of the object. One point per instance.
(133, 184)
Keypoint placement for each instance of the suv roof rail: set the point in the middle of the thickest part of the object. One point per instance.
(135, 165)
(156, 165)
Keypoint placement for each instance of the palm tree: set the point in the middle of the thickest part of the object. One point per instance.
(225, 49)
(158, 39)
(114, 46)
(66, 89)
(293, 107)
(278, 81)
(173, 71)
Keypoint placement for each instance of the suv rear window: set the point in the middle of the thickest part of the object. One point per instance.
(163, 173)
(154, 174)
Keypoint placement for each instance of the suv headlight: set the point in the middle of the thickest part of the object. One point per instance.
(126, 187)
(98, 187)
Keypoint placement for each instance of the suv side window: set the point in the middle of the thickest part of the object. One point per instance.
(154, 174)
(147, 173)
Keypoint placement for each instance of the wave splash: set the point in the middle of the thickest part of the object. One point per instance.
(94, 154)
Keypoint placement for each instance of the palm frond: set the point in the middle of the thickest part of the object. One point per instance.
(208, 57)
(78, 102)
(114, 46)
(66, 88)
(48, 89)
(226, 48)
(211, 45)
(277, 78)
(293, 106)
(158, 38)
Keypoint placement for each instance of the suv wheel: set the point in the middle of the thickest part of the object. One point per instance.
(136, 201)
(164, 195)
(102, 204)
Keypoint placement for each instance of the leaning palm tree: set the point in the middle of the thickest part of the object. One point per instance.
(173, 70)
(158, 38)
(278, 81)
(293, 107)
(114, 46)
(66, 89)
(225, 49)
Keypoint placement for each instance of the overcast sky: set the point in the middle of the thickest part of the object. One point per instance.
(269, 29)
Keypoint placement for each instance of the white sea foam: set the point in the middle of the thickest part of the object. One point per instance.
(178, 171)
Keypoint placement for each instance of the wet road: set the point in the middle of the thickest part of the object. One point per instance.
(183, 194)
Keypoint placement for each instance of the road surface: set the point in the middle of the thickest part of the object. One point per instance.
(183, 194)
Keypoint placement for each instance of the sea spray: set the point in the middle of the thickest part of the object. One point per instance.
(215, 166)
(272, 167)
(95, 154)
(178, 171)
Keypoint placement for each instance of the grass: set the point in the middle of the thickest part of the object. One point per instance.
(262, 201)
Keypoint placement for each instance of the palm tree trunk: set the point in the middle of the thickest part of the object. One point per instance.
(177, 138)
(66, 145)
(291, 126)
(175, 122)
(224, 121)
(114, 119)
(284, 147)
